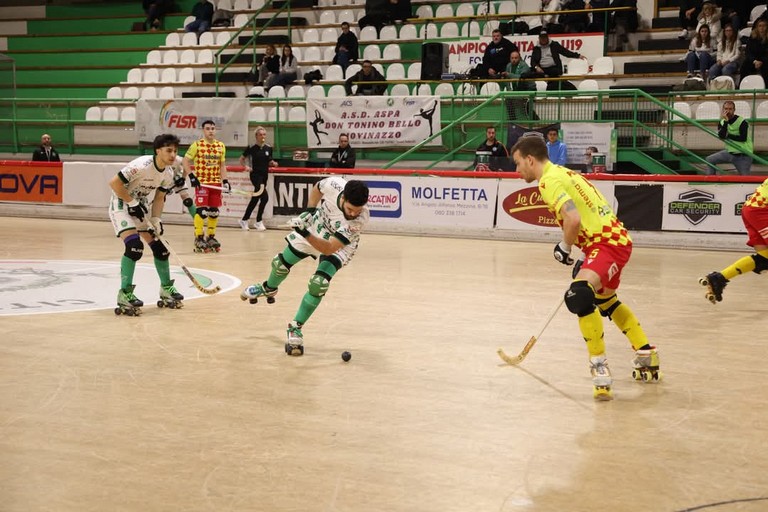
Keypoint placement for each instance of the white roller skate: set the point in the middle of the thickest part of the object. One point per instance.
(601, 378)
(295, 344)
(127, 303)
(170, 297)
(201, 245)
(253, 292)
(646, 365)
(715, 283)
(213, 244)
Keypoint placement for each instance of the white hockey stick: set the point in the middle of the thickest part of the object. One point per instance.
(198, 285)
(528, 346)
(236, 191)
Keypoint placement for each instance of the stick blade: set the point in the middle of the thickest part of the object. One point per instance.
(515, 360)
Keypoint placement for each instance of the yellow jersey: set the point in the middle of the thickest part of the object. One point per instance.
(599, 224)
(760, 198)
(207, 157)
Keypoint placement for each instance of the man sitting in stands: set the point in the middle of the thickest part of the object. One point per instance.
(364, 79)
(495, 58)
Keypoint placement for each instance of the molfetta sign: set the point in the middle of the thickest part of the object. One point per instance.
(29, 287)
(185, 117)
(373, 121)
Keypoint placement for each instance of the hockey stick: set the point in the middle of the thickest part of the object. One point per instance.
(236, 191)
(528, 346)
(198, 285)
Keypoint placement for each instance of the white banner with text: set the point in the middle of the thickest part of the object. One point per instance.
(373, 121)
(185, 117)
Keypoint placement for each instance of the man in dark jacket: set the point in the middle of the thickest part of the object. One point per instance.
(46, 152)
(545, 59)
(495, 58)
(203, 13)
(363, 79)
(346, 47)
(343, 157)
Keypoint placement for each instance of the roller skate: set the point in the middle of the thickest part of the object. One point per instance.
(213, 244)
(646, 365)
(601, 378)
(295, 344)
(715, 283)
(201, 245)
(170, 297)
(253, 292)
(127, 303)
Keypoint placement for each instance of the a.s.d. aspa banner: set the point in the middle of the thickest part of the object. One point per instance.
(185, 117)
(373, 121)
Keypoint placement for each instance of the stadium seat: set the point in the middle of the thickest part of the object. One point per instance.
(743, 109)
(336, 91)
(368, 34)
(400, 90)
(168, 76)
(372, 52)
(131, 93)
(128, 114)
(155, 58)
(430, 30)
(93, 114)
(316, 91)
(110, 114)
(186, 75)
(173, 39)
(276, 114)
(329, 53)
(241, 5)
(276, 91)
(757, 11)
(682, 107)
(414, 71)
(148, 93)
(134, 76)
(224, 4)
(751, 83)
(257, 114)
(391, 52)
(188, 57)
(170, 57)
(424, 90)
(311, 54)
(297, 114)
(334, 73)
(207, 39)
(240, 20)
(114, 93)
(588, 85)
(257, 4)
(151, 76)
(449, 30)
(465, 9)
(311, 35)
(761, 111)
(470, 29)
(222, 38)
(444, 89)
(708, 110)
(603, 66)
(507, 7)
(189, 39)
(347, 15)
(424, 11)
(577, 67)
(722, 83)
(489, 89)
(408, 31)
(352, 69)
(329, 35)
(396, 71)
(296, 91)
(328, 17)
(166, 93)
(388, 33)
(444, 11)
(205, 56)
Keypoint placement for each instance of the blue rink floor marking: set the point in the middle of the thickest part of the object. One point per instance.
(33, 287)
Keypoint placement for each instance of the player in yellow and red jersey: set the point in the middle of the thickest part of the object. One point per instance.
(589, 223)
(204, 163)
(754, 214)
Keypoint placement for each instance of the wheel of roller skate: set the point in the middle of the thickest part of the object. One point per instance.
(160, 304)
(636, 375)
(646, 376)
(288, 349)
(118, 311)
(253, 300)
(270, 300)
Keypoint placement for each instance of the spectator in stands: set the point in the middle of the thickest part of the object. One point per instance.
(734, 12)
(346, 47)
(364, 80)
(598, 18)
(557, 150)
(377, 14)
(735, 129)
(624, 22)
(710, 15)
(688, 16)
(574, 23)
(549, 18)
(270, 64)
(545, 59)
(701, 53)
(756, 52)
(728, 55)
(400, 10)
(289, 70)
(203, 13)
(495, 58)
(493, 148)
(156, 11)
(514, 70)
(46, 152)
(591, 150)
(343, 157)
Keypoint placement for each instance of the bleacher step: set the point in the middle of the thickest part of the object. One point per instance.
(265, 39)
(665, 22)
(228, 78)
(653, 90)
(662, 44)
(654, 67)
(208, 94)
(277, 4)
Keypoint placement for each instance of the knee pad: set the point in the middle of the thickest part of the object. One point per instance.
(761, 263)
(213, 213)
(188, 202)
(279, 266)
(134, 247)
(607, 305)
(202, 212)
(159, 250)
(580, 298)
(318, 285)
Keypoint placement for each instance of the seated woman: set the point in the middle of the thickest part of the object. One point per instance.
(270, 65)
(728, 55)
(756, 52)
(700, 53)
(289, 70)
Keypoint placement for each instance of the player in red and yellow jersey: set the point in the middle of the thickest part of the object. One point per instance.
(754, 214)
(589, 223)
(204, 163)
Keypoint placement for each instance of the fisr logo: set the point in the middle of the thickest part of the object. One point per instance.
(180, 121)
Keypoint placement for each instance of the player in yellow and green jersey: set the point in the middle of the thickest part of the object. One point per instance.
(204, 164)
(589, 223)
(754, 214)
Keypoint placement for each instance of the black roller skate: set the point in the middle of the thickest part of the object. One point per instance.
(170, 297)
(201, 245)
(715, 284)
(646, 365)
(127, 303)
(295, 344)
(253, 292)
(213, 244)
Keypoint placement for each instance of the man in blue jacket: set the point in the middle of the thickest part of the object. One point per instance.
(558, 153)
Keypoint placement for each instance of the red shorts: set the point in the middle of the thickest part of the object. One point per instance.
(207, 197)
(756, 222)
(607, 261)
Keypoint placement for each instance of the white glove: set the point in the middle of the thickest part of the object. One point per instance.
(303, 221)
(156, 225)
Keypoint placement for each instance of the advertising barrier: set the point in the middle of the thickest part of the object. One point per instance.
(31, 182)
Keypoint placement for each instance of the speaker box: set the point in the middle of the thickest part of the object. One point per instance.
(434, 60)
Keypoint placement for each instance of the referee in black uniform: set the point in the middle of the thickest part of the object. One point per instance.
(260, 159)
